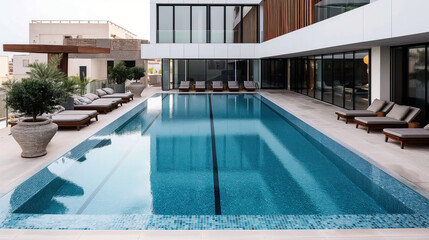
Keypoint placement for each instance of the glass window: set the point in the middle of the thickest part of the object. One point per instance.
(327, 78)
(254, 71)
(182, 18)
(274, 73)
(361, 65)
(199, 24)
(197, 70)
(165, 74)
(165, 24)
(348, 80)
(241, 71)
(179, 75)
(233, 24)
(311, 75)
(250, 24)
(217, 24)
(337, 79)
(231, 70)
(416, 77)
(318, 77)
(217, 71)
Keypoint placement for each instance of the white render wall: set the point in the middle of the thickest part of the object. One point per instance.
(96, 68)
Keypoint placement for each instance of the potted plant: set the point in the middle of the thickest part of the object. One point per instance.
(119, 74)
(81, 83)
(137, 87)
(40, 93)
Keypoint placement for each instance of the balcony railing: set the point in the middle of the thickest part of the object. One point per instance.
(330, 8)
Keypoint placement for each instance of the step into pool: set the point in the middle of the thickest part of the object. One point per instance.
(211, 161)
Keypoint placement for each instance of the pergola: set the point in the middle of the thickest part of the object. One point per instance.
(52, 50)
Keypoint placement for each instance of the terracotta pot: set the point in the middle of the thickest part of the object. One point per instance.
(136, 89)
(33, 137)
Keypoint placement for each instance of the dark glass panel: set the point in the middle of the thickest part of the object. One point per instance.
(199, 24)
(250, 24)
(217, 71)
(165, 23)
(179, 75)
(231, 70)
(318, 76)
(348, 80)
(311, 76)
(233, 24)
(217, 24)
(182, 24)
(327, 78)
(241, 71)
(196, 70)
(361, 65)
(337, 79)
(417, 77)
(165, 74)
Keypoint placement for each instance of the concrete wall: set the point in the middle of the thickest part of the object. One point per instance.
(96, 68)
(19, 63)
(53, 33)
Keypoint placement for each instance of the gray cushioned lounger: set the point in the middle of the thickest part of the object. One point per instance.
(408, 132)
(217, 86)
(379, 120)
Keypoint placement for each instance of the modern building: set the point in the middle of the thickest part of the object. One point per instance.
(123, 45)
(4, 69)
(345, 53)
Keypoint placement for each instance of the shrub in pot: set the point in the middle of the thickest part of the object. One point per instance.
(40, 93)
(119, 74)
(137, 87)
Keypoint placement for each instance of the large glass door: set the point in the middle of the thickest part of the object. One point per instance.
(416, 86)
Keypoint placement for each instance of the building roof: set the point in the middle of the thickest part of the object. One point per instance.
(39, 48)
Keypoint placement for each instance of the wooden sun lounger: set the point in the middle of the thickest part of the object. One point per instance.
(200, 86)
(184, 86)
(126, 97)
(71, 120)
(233, 86)
(350, 115)
(250, 86)
(407, 135)
(217, 86)
(91, 113)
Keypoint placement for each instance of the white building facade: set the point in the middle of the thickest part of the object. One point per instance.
(377, 50)
(51, 32)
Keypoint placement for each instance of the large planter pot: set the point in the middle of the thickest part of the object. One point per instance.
(120, 88)
(33, 137)
(136, 89)
(69, 105)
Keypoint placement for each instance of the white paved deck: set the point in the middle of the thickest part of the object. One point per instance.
(410, 165)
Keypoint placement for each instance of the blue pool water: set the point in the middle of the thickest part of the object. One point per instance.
(208, 155)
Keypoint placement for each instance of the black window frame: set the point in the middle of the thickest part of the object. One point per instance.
(208, 16)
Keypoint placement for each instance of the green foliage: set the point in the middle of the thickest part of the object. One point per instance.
(138, 72)
(120, 73)
(45, 88)
(81, 83)
(150, 70)
(160, 71)
(33, 96)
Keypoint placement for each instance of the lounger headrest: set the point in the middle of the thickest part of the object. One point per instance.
(399, 112)
(412, 114)
(388, 107)
(376, 106)
(427, 127)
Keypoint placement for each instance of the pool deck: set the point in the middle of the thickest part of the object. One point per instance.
(410, 166)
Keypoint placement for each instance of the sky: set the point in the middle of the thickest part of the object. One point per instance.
(15, 16)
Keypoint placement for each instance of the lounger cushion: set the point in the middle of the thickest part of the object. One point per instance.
(69, 118)
(248, 84)
(117, 95)
(84, 100)
(427, 127)
(100, 92)
(388, 107)
(408, 132)
(356, 113)
(379, 120)
(108, 90)
(412, 114)
(78, 112)
(91, 96)
(376, 106)
(398, 112)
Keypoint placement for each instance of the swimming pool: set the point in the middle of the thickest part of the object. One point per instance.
(211, 161)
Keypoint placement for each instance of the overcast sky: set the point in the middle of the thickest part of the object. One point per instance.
(15, 15)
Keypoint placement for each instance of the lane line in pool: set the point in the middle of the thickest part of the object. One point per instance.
(215, 168)
(109, 175)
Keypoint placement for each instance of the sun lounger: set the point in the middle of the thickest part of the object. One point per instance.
(250, 86)
(398, 117)
(100, 105)
(407, 135)
(377, 108)
(200, 86)
(184, 86)
(109, 93)
(233, 86)
(91, 113)
(71, 120)
(217, 86)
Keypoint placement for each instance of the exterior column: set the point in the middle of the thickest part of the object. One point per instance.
(380, 73)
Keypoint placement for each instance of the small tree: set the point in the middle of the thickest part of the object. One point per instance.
(120, 73)
(81, 83)
(138, 72)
